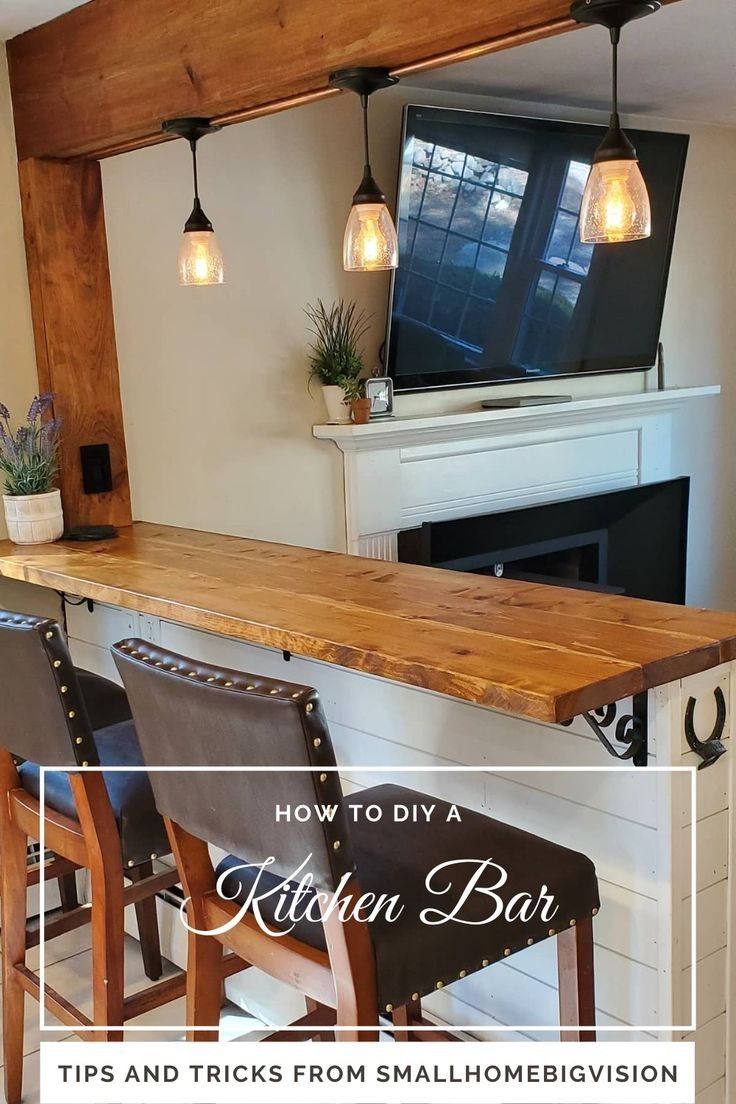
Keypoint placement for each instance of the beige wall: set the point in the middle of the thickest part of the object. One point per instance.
(18, 383)
(217, 413)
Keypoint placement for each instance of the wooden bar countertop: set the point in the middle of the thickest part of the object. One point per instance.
(543, 652)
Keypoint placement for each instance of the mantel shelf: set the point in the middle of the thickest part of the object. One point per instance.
(398, 431)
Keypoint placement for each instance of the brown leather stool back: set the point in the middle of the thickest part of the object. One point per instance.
(42, 712)
(190, 714)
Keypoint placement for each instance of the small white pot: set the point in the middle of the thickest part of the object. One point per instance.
(338, 408)
(34, 519)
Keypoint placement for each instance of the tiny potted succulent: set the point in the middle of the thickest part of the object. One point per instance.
(28, 466)
(360, 406)
(335, 357)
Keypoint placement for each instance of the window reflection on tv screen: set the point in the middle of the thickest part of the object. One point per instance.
(493, 282)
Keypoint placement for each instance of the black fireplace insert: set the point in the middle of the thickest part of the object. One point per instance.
(631, 542)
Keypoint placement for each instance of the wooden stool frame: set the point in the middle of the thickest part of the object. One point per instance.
(92, 843)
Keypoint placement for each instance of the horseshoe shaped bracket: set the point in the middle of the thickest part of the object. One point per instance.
(712, 749)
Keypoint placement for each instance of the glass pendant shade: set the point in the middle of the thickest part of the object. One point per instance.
(200, 259)
(615, 205)
(370, 243)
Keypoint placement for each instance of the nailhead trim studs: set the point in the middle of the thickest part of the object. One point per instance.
(486, 962)
(439, 985)
(595, 912)
(463, 973)
(309, 707)
(316, 741)
(507, 952)
(552, 931)
(573, 923)
(389, 1008)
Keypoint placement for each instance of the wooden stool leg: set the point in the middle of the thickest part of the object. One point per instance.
(204, 987)
(108, 949)
(68, 895)
(13, 888)
(404, 1017)
(147, 917)
(576, 982)
(107, 885)
(354, 973)
(326, 1036)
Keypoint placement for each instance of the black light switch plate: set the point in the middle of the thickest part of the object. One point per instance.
(96, 469)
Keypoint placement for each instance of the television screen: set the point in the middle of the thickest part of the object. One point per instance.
(494, 284)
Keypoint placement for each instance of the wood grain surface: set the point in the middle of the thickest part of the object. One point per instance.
(73, 328)
(536, 651)
(105, 74)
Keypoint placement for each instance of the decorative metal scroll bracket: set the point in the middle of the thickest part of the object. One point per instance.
(712, 749)
(631, 730)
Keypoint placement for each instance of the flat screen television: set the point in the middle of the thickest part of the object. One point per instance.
(494, 284)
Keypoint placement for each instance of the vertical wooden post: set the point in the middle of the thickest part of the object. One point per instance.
(71, 304)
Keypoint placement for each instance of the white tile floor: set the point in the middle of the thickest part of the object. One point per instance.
(68, 970)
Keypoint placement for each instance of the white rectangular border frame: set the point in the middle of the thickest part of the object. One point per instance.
(500, 1029)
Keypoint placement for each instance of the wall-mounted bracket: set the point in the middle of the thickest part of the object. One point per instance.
(630, 730)
(713, 748)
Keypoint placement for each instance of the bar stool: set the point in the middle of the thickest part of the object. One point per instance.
(189, 714)
(106, 824)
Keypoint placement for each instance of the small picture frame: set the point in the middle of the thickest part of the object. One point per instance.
(380, 390)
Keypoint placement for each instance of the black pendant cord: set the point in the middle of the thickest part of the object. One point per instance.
(366, 148)
(615, 39)
(193, 147)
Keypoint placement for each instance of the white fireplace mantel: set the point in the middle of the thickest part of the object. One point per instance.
(403, 471)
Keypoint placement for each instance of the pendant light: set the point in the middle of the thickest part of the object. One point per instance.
(615, 205)
(370, 243)
(200, 257)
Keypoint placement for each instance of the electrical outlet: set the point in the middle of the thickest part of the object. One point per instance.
(96, 468)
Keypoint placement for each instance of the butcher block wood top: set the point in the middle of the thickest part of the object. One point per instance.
(542, 652)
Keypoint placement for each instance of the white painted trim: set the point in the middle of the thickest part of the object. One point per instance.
(399, 432)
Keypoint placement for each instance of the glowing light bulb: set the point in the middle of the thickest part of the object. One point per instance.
(200, 259)
(615, 205)
(370, 243)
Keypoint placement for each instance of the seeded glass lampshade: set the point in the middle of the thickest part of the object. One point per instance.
(370, 243)
(615, 205)
(200, 259)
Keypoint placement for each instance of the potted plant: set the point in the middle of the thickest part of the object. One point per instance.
(360, 406)
(335, 353)
(28, 466)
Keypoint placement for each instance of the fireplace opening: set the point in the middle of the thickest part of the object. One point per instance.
(631, 542)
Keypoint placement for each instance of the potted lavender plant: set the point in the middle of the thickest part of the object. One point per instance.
(29, 465)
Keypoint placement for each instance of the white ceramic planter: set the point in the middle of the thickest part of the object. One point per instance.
(338, 409)
(34, 519)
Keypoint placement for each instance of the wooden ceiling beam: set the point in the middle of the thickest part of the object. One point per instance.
(100, 79)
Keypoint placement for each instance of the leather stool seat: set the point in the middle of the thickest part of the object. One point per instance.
(142, 830)
(412, 957)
